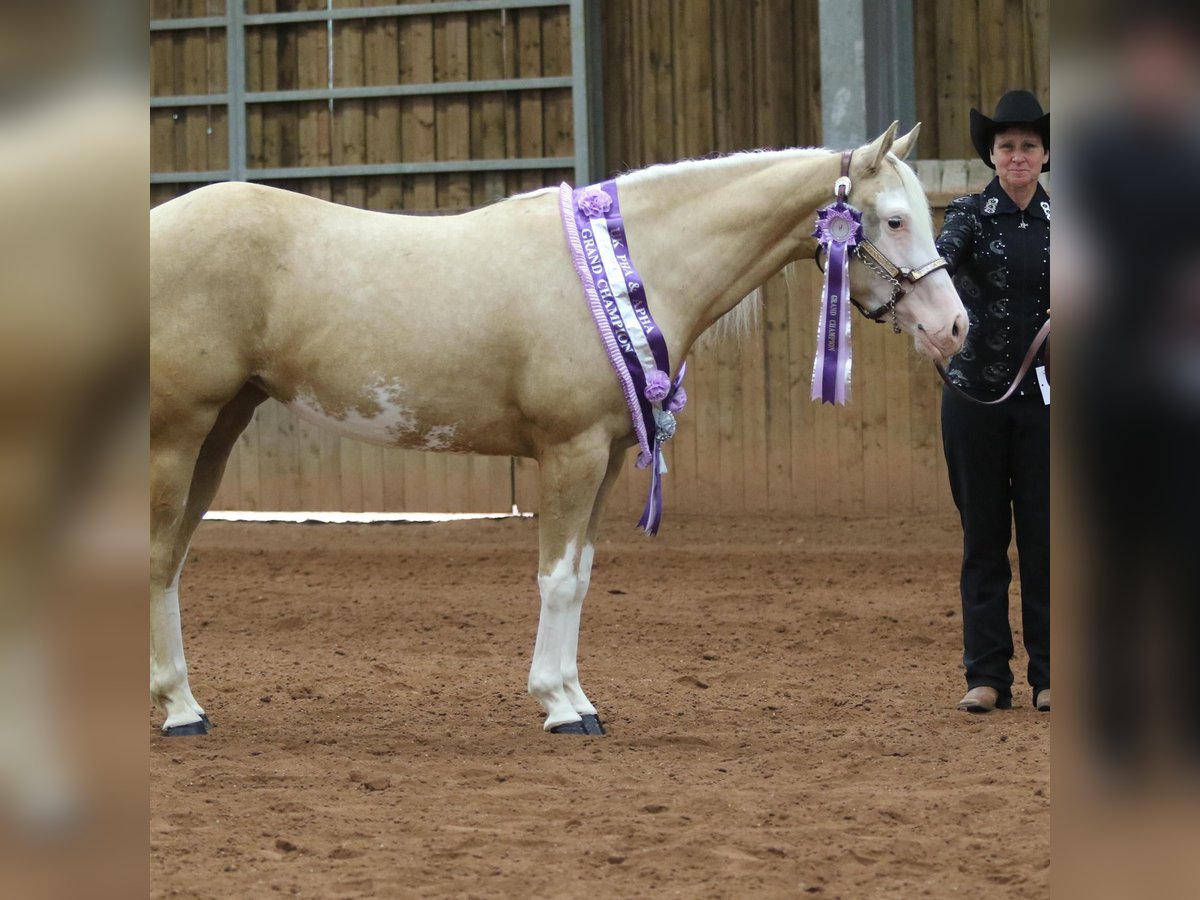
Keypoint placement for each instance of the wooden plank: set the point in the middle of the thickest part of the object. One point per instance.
(870, 377)
(958, 75)
(279, 458)
(487, 110)
(775, 111)
(452, 115)
(995, 73)
(978, 175)
(693, 82)
(924, 391)
(754, 418)
(392, 474)
(525, 480)
(530, 131)
(850, 475)
(381, 66)
(825, 467)
(954, 177)
(315, 126)
(730, 394)
(417, 139)
(1036, 27)
(652, 65)
(926, 56)
(374, 498)
(246, 453)
(804, 284)
(734, 78)
(807, 74)
(191, 77)
(512, 102)
(162, 121)
(310, 460)
(618, 87)
(777, 371)
(349, 119)
(218, 116)
(253, 48)
(899, 426)
(557, 108)
(280, 121)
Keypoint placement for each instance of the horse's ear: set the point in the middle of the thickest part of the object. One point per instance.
(875, 151)
(904, 145)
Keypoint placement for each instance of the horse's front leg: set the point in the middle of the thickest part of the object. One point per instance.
(572, 476)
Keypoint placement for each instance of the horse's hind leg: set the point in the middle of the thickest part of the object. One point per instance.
(571, 476)
(183, 484)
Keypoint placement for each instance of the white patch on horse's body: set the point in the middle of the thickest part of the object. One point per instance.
(440, 437)
(394, 422)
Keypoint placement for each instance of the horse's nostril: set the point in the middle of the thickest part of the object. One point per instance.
(954, 330)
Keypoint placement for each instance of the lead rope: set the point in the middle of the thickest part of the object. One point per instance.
(1039, 339)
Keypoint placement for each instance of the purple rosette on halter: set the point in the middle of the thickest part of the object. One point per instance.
(839, 230)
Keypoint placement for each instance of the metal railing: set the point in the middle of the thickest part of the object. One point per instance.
(584, 82)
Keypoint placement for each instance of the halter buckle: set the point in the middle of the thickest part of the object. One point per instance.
(841, 187)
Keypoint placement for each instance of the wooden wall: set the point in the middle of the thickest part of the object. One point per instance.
(968, 53)
(378, 51)
(682, 78)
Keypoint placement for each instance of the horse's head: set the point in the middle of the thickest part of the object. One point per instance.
(899, 263)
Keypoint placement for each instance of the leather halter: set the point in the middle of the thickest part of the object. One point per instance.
(901, 278)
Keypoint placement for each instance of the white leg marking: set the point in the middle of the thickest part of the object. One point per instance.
(570, 662)
(558, 590)
(169, 688)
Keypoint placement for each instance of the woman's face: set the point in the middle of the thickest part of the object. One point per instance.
(1018, 155)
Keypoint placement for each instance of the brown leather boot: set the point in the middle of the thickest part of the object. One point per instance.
(983, 699)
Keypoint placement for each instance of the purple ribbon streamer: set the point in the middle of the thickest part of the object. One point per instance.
(832, 361)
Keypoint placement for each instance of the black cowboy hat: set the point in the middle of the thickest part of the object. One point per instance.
(1014, 108)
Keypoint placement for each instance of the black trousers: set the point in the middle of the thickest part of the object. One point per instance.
(999, 463)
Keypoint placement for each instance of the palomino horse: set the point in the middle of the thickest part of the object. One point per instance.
(470, 333)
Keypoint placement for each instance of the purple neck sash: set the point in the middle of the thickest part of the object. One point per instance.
(615, 293)
(838, 231)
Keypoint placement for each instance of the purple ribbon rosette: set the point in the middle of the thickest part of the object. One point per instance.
(838, 232)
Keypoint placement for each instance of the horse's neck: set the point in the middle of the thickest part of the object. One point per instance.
(706, 234)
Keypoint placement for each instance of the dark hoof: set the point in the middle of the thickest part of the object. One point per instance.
(206, 720)
(592, 724)
(568, 728)
(191, 728)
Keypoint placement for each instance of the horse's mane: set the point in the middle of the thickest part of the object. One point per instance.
(744, 318)
(657, 170)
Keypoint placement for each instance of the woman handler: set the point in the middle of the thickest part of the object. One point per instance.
(998, 245)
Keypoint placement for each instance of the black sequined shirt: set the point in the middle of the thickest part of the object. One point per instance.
(999, 259)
